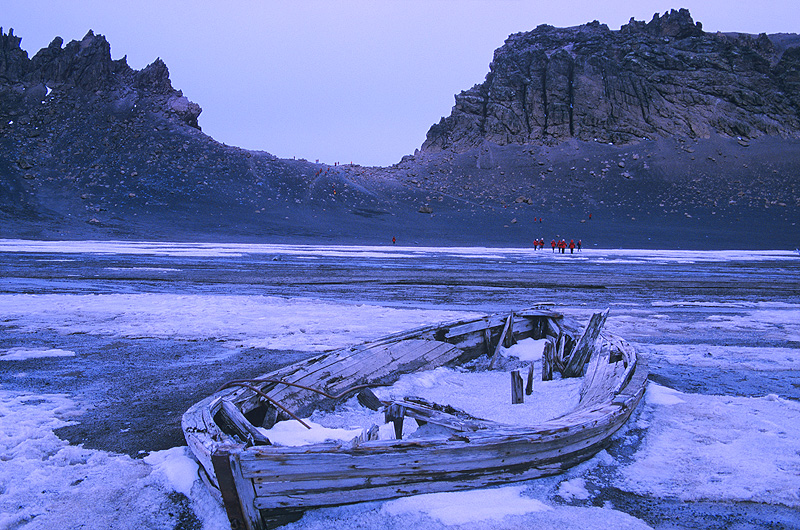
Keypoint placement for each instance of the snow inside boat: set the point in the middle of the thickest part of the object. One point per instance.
(417, 445)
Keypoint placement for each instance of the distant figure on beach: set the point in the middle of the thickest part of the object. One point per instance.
(562, 246)
(553, 244)
(572, 246)
(579, 245)
(394, 240)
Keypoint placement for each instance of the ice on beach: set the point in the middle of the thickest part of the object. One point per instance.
(719, 448)
(661, 395)
(177, 467)
(573, 489)
(23, 354)
(728, 357)
(771, 321)
(156, 248)
(47, 483)
(485, 509)
(240, 321)
(693, 447)
(455, 508)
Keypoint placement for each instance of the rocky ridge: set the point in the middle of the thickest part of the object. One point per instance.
(659, 79)
(90, 147)
(685, 140)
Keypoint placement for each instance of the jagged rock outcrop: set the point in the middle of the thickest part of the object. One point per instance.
(658, 79)
(85, 66)
(90, 147)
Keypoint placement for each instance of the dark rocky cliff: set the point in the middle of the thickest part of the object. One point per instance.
(658, 79)
(90, 147)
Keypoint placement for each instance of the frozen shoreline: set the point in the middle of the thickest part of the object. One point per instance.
(691, 446)
(156, 248)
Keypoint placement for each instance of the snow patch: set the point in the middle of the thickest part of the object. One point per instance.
(463, 507)
(574, 489)
(293, 433)
(526, 350)
(661, 395)
(178, 468)
(23, 354)
(718, 448)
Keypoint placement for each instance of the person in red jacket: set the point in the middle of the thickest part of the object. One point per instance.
(562, 245)
(553, 244)
(571, 246)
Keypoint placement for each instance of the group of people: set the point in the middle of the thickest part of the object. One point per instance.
(562, 245)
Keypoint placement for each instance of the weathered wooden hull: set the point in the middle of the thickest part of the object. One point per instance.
(261, 483)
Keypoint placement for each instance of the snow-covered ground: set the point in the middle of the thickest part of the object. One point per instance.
(681, 446)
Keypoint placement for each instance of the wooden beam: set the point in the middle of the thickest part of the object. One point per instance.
(558, 353)
(586, 345)
(548, 361)
(246, 430)
(238, 493)
(517, 395)
(529, 385)
(368, 399)
(394, 413)
(429, 414)
(539, 312)
(508, 339)
(501, 341)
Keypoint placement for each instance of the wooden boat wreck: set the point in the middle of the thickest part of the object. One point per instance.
(263, 484)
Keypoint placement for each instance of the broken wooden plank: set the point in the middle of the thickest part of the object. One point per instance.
(508, 334)
(395, 413)
(271, 416)
(585, 346)
(430, 414)
(517, 395)
(529, 385)
(473, 326)
(539, 312)
(547, 361)
(501, 341)
(559, 352)
(234, 418)
(238, 493)
(368, 399)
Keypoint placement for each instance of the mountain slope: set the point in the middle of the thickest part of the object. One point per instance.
(656, 135)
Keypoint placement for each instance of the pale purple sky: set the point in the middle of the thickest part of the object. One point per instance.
(338, 80)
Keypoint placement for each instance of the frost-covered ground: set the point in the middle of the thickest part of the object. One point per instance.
(104, 344)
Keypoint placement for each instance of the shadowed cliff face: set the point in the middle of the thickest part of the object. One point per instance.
(664, 78)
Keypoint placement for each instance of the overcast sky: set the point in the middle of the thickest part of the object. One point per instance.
(338, 80)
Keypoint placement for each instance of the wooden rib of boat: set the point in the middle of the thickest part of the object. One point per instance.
(263, 485)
